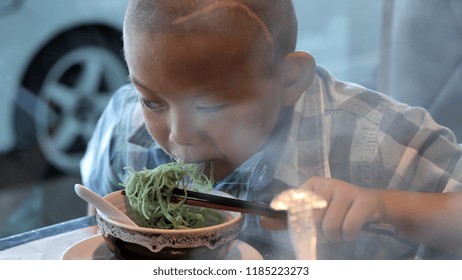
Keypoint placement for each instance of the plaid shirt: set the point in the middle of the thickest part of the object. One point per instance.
(336, 129)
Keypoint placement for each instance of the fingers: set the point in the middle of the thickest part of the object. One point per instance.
(363, 209)
(352, 223)
(332, 221)
(349, 208)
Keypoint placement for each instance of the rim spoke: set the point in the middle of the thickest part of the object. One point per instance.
(65, 135)
(91, 76)
(59, 94)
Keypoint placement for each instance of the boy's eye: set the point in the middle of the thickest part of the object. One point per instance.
(210, 109)
(150, 104)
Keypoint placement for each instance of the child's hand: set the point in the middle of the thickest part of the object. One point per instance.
(349, 207)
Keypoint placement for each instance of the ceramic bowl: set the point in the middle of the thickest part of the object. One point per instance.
(129, 242)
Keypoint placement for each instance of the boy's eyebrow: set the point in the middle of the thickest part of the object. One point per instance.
(135, 81)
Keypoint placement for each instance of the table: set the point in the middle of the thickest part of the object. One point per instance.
(49, 243)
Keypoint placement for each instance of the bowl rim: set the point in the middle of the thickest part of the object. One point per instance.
(236, 219)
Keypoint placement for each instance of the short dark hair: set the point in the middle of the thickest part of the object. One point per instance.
(277, 17)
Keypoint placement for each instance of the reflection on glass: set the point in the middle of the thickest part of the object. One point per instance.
(302, 228)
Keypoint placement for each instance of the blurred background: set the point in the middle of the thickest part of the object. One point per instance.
(60, 61)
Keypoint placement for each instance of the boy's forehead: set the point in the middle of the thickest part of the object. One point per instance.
(226, 18)
(191, 59)
(225, 34)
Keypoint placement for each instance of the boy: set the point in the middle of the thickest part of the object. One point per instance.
(219, 81)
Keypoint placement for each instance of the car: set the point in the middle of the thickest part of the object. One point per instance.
(60, 62)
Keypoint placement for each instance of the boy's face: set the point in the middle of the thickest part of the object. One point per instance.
(203, 100)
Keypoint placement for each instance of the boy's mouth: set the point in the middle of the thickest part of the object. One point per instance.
(207, 165)
(213, 168)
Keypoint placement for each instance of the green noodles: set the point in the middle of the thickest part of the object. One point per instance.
(149, 192)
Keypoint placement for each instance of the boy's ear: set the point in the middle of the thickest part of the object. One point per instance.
(298, 71)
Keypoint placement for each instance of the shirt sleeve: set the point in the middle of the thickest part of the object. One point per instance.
(424, 155)
(377, 142)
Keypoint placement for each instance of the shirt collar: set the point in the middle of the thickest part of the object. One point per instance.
(305, 150)
(140, 135)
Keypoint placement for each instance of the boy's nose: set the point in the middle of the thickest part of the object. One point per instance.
(183, 130)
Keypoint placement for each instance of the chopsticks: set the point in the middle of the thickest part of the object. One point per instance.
(225, 203)
(255, 208)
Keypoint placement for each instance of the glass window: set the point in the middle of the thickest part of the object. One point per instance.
(343, 36)
(63, 48)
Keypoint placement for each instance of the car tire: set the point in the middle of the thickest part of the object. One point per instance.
(71, 80)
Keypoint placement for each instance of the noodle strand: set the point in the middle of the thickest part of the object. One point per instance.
(149, 192)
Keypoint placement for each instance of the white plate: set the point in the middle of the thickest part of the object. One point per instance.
(94, 248)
